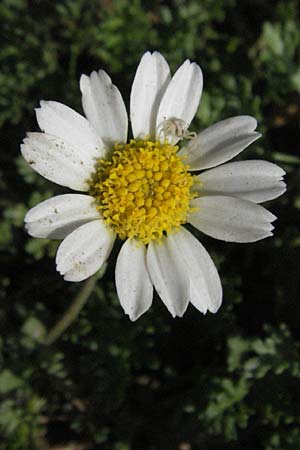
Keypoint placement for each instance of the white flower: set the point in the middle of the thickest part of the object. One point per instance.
(143, 191)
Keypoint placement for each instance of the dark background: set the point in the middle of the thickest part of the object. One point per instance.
(229, 381)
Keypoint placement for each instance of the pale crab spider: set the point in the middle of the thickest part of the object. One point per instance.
(178, 128)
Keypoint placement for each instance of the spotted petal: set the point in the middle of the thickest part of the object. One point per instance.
(59, 216)
(220, 142)
(231, 219)
(83, 252)
(134, 286)
(170, 281)
(104, 107)
(58, 161)
(63, 122)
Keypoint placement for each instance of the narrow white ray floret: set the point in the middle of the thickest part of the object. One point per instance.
(170, 281)
(61, 121)
(104, 107)
(220, 142)
(84, 251)
(257, 181)
(144, 190)
(150, 83)
(59, 216)
(133, 283)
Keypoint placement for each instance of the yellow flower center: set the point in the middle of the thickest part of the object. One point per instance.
(144, 190)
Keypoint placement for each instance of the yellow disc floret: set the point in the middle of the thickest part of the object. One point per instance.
(144, 190)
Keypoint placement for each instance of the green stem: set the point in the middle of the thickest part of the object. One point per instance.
(74, 309)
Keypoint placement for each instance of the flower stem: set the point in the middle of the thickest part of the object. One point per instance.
(74, 309)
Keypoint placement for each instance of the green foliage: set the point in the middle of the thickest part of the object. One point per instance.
(227, 381)
(274, 57)
(257, 367)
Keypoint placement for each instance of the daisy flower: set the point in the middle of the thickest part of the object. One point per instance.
(143, 190)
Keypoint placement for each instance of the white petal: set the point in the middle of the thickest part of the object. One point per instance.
(253, 180)
(59, 216)
(170, 281)
(220, 142)
(84, 251)
(182, 97)
(65, 123)
(57, 161)
(151, 80)
(134, 287)
(104, 107)
(231, 219)
(205, 284)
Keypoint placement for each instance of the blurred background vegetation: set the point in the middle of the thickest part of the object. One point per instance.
(229, 381)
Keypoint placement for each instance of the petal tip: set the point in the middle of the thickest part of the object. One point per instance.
(147, 54)
(249, 121)
(84, 82)
(215, 309)
(197, 67)
(133, 317)
(173, 314)
(27, 217)
(28, 229)
(156, 53)
(283, 185)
